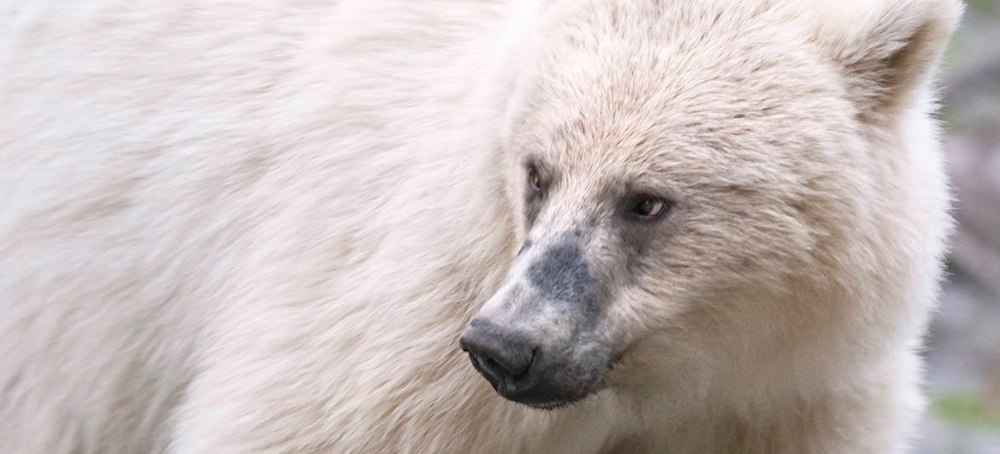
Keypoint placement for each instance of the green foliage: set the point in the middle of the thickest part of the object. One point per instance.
(966, 408)
(982, 7)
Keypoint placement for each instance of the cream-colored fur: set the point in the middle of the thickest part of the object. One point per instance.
(260, 226)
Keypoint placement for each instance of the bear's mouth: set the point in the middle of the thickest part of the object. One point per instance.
(548, 405)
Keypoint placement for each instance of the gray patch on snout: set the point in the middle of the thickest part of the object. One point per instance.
(560, 275)
(524, 247)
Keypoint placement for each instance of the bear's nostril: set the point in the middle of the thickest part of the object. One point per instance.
(497, 353)
(490, 369)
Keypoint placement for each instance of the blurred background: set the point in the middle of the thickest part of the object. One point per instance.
(963, 350)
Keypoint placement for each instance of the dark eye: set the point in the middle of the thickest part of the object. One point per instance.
(648, 207)
(534, 181)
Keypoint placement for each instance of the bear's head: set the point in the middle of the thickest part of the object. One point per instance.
(694, 179)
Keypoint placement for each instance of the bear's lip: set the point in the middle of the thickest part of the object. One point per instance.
(550, 406)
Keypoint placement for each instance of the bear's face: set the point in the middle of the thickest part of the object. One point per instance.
(669, 165)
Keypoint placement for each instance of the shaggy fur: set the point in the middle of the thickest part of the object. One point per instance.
(260, 226)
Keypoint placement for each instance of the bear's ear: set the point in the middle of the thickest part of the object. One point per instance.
(886, 49)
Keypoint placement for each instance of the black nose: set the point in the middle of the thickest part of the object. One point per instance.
(500, 354)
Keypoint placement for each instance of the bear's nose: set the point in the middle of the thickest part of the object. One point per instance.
(501, 355)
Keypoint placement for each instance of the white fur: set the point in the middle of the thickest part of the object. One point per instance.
(260, 226)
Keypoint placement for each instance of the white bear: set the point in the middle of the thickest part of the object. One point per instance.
(467, 226)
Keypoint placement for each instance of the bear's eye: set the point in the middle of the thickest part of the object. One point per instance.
(647, 207)
(534, 181)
